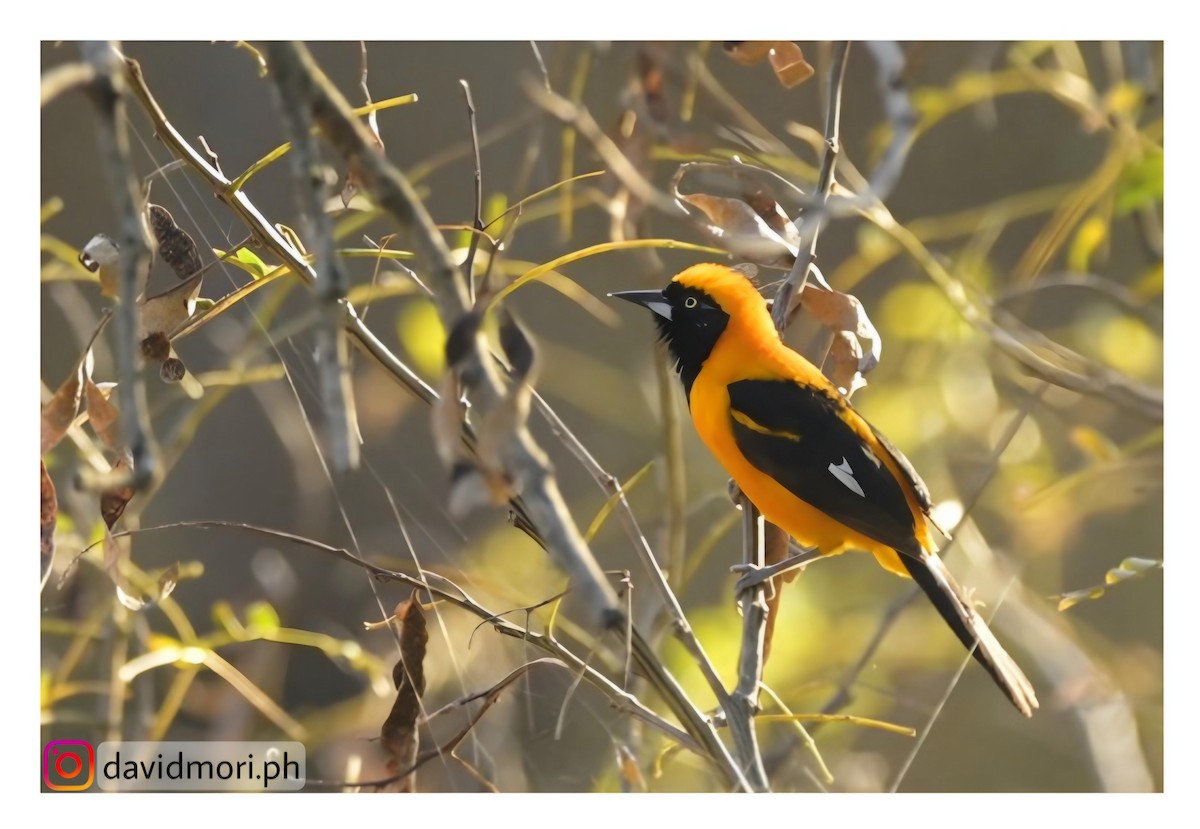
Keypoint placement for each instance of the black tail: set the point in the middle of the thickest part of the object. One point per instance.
(931, 574)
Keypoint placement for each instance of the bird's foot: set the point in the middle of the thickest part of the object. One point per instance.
(753, 575)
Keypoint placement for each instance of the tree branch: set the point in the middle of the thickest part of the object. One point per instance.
(108, 94)
(814, 217)
(337, 393)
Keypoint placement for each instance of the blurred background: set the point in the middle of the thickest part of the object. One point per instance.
(1034, 180)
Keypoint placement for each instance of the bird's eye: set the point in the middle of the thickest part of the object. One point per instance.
(690, 302)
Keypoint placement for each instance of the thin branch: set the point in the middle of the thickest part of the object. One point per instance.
(537, 56)
(658, 579)
(815, 216)
(524, 460)
(750, 665)
(455, 595)
(469, 263)
(108, 94)
(333, 362)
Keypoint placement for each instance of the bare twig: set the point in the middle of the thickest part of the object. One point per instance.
(815, 216)
(469, 263)
(108, 94)
(537, 56)
(333, 362)
(750, 665)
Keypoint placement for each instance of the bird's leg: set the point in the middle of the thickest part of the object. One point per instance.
(754, 576)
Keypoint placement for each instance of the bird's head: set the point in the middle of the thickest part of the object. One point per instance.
(697, 306)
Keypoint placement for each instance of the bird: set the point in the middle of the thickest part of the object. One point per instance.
(803, 456)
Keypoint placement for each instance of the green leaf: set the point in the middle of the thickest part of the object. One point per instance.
(247, 260)
(1141, 183)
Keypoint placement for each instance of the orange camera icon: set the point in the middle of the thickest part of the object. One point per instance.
(68, 765)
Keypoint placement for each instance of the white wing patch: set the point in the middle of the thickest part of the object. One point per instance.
(845, 474)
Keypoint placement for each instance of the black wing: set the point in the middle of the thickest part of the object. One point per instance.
(796, 435)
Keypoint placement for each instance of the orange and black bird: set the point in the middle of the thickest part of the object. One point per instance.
(798, 450)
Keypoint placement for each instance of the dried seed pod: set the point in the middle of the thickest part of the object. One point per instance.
(175, 245)
(156, 347)
(172, 370)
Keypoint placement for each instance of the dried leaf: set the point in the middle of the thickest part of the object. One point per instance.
(786, 58)
(175, 245)
(738, 228)
(164, 312)
(102, 414)
(845, 316)
(60, 412)
(102, 257)
(791, 69)
(49, 521)
(399, 735)
(114, 501)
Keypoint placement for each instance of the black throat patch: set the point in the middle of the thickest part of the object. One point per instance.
(691, 333)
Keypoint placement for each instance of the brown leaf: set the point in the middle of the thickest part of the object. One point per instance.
(49, 520)
(114, 501)
(175, 245)
(102, 414)
(60, 412)
(163, 313)
(737, 226)
(102, 257)
(786, 58)
(846, 317)
(789, 64)
(399, 735)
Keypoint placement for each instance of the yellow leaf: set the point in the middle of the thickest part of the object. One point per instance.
(1091, 235)
(421, 332)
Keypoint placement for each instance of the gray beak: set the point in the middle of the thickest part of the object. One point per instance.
(649, 299)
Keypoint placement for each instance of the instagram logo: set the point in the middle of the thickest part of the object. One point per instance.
(65, 763)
